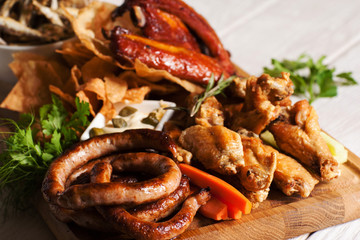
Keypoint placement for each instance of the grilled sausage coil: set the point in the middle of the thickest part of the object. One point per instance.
(85, 185)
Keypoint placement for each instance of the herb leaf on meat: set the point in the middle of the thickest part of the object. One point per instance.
(312, 79)
(211, 90)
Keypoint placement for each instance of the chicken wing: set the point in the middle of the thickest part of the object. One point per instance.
(291, 177)
(298, 134)
(265, 96)
(210, 113)
(258, 171)
(217, 147)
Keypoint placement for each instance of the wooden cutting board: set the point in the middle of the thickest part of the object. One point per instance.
(279, 217)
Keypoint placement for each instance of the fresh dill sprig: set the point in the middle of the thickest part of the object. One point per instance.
(210, 91)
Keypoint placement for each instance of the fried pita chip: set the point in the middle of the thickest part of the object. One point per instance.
(75, 53)
(134, 81)
(34, 77)
(95, 85)
(91, 98)
(87, 26)
(136, 95)
(108, 110)
(115, 88)
(96, 68)
(64, 96)
(73, 83)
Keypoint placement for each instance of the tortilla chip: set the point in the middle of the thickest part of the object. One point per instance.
(134, 81)
(64, 96)
(73, 83)
(75, 53)
(108, 110)
(32, 89)
(155, 75)
(88, 26)
(94, 103)
(115, 88)
(95, 85)
(96, 68)
(136, 95)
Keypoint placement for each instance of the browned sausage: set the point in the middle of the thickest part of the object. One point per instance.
(141, 229)
(54, 182)
(154, 211)
(113, 193)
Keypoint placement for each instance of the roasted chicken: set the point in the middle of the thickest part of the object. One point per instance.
(265, 96)
(291, 177)
(210, 113)
(260, 163)
(217, 148)
(298, 134)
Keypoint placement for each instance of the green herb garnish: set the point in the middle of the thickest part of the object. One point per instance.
(312, 79)
(34, 144)
(210, 91)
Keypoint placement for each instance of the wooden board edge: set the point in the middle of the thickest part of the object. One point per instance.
(287, 221)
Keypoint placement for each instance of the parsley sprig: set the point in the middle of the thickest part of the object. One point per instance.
(33, 144)
(312, 79)
(211, 90)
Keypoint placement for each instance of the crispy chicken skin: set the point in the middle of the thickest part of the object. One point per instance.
(291, 177)
(260, 164)
(217, 147)
(265, 96)
(299, 135)
(210, 113)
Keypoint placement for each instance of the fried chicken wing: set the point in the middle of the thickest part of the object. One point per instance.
(260, 164)
(265, 96)
(291, 177)
(178, 61)
(210, 113)
(299, 135)
(217, 147)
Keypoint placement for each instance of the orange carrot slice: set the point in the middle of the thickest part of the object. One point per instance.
(234, 213)
(222, 190)
(214, 209)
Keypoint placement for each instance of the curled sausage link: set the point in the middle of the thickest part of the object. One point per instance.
(53, 187)
(154, 211)
(114, 193)
(140, 228)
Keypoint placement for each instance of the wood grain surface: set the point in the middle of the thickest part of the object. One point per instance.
(279, 217)
(254, 31)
